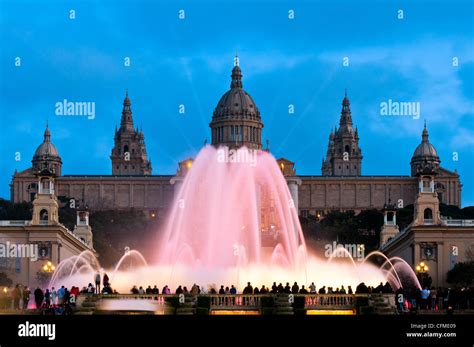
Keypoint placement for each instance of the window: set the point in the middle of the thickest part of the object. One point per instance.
(125, 149)
(428, 215)
(125, 167)
(347, 149)
(43, 215)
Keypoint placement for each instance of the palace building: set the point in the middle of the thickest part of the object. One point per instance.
(236, 121)
(431, 244)
(33, 248)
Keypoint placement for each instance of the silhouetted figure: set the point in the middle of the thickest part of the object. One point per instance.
(105, 280)
(362, 289)
(287, 288)
(295, 288)
(303, 290)
(38, 297)
(248, 289)
(274, 288)
(322, 290)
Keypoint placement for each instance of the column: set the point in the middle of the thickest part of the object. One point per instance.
(293, 183)
(416, 256)
(440, 263)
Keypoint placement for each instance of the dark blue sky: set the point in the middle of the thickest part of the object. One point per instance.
(284, 62)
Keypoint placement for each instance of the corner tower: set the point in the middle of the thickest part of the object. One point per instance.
(425, 153)
(46, 156)
(129, 153)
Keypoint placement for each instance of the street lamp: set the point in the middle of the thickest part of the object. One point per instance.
(422, 274)
(422, 267)
(49, 267)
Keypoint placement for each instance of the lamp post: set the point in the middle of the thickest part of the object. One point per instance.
(422, 272)
(49, 267)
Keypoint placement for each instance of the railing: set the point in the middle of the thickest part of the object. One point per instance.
(459, 222)
(237, 301)
(249, 301)
(13, 222)
(329, 301)
(160, 299)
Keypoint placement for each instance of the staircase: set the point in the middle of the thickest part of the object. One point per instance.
(381, 304)
(86, 304)
(283, 305)
(188, 307)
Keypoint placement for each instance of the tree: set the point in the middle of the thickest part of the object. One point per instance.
(461, 274)
(20, 211)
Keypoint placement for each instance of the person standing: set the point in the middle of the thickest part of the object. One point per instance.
(97, 282)
(16, 297)
(105, 281)
(47, 298)
(54, 296)
(38, 297)
(26, 297)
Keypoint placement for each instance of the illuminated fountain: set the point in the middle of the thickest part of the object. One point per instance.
(233, 221)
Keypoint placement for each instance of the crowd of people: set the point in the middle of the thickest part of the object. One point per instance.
(434, 299)
(274, 289)
(406, 299)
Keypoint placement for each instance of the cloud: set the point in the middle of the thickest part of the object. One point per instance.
(427, 75)
(257, 63)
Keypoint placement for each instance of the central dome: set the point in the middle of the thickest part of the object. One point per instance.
(236, 102)
(236, 119)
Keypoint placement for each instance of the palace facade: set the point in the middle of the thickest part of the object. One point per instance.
(236, 121)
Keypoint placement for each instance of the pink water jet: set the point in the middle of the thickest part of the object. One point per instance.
(230, 214)
(233, 220)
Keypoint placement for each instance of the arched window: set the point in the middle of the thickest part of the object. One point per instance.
(428, 215)
(347, 149)
(44, 215)
(125, 149)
